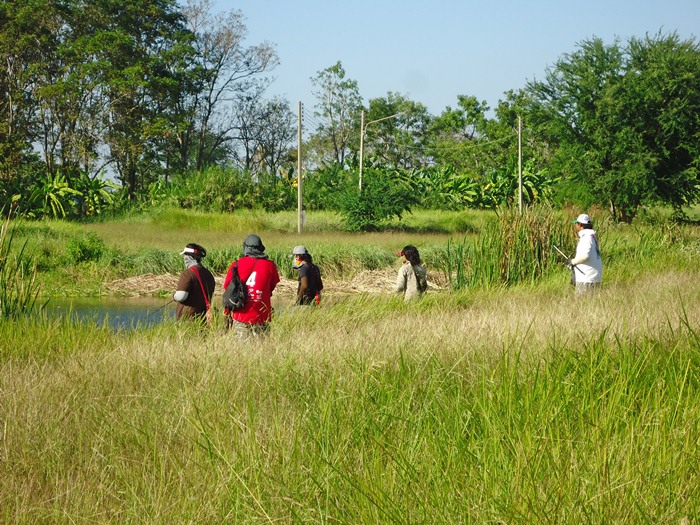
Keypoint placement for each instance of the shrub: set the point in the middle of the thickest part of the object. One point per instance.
(86, 248)
(384, 196)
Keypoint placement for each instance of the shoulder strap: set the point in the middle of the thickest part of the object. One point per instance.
(251, 270)
(204, 293)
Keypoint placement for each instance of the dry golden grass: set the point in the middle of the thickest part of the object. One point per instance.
(364, 398)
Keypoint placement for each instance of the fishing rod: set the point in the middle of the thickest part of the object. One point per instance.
(159, 308)
(566, 257)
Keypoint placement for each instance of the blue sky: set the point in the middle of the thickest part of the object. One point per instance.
(433, 51)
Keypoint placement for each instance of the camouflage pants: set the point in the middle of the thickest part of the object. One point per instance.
(247, 331)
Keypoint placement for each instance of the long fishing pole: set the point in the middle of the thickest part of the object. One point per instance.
(159, 308)
(566, 257)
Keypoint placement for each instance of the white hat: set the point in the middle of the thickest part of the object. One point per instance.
(300, 250)
(583, 219)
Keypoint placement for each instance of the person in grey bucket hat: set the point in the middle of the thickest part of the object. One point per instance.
(309, 278)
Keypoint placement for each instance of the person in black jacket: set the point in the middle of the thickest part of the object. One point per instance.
(310, 282)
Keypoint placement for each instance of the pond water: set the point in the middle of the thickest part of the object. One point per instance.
(122, 312)
(119, 312)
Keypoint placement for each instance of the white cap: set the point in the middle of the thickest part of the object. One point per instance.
(300, 250)
(583, 219)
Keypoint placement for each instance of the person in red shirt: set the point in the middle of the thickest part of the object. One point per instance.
(260, 275)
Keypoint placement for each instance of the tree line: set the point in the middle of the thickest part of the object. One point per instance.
(156, 93)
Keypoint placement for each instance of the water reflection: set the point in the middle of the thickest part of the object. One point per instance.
(131, 312)
(118, 312)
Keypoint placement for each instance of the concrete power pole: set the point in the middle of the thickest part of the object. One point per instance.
(300, 204)
(362, 144)
(520, 164)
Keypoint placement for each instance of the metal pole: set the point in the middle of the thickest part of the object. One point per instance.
(520, 164)
(300, 207)
(362, 143)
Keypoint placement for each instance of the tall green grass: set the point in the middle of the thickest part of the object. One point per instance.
(515, 248)
(19, 288)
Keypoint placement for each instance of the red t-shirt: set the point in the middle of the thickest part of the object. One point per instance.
(261, 277)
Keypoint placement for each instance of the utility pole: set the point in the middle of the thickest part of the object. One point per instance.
(362, 143)
(520, 164)
(363, 128)
(300, 207)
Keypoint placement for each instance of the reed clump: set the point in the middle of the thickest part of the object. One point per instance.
(514, 248)
(19, 287)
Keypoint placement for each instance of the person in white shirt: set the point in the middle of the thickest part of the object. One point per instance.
(587, 264)
(411, 281)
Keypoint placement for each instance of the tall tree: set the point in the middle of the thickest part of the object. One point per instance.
(264, 132)
(25, 35)
(140, 40)
(338, 109)
(662, 85)
(228, 72)
(458, 136)
(619, 120)
(395, 135)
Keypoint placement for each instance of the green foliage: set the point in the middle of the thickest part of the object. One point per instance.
(383, 196)
(502, 187)
(51, 197)
(88, 247)
(19, 288)
(324, 186)
(224, 190)
(445, 189)
(623, 121)
(95, 195)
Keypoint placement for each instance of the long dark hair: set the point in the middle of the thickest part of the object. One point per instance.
(411, 253)
(306, 257)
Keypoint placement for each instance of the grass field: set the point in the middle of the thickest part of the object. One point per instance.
(518, 404)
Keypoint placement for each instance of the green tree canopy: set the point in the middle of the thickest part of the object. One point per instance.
(622, 121)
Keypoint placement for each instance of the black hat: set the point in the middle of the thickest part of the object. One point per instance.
(253, 241)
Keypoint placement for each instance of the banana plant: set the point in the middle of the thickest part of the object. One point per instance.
(96, 194)
(51, 196)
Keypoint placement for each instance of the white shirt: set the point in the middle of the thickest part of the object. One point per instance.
(587, 262)
(406, 283)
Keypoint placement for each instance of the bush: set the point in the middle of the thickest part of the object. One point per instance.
(384, 196)
(86, 248)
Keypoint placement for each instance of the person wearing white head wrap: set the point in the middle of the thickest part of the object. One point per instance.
(195, 286)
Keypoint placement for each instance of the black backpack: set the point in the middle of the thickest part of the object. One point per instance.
(236, 292)
(316, 272)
